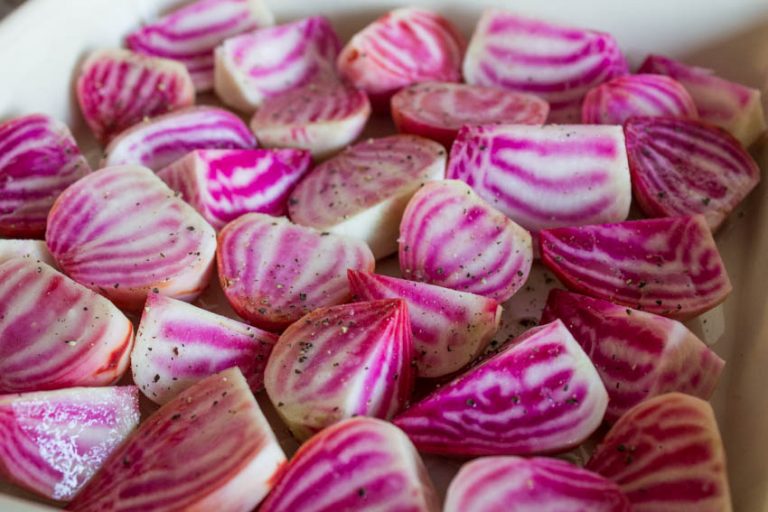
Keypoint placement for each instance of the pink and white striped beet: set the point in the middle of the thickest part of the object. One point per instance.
(257, 65)
(450, 329)
(222, 184)
(403, 47)
(730, 105)
(210, 448)
(667, 456)
(273, 272)
(340, 362)
(450, 237)
(357, 464)
(38, 159)
(178, 344)
(647, 95)
(558, 63)
(437, 110)
(55, 333)
(52, 442)
(538, 484)
(668, 266)
(362, 191)
(539, 394)
(30, 250)
(683, 167)
(123, 233)
(117, 89)
(637, 354)
(166, 138)
(190, 34)
(546, 176)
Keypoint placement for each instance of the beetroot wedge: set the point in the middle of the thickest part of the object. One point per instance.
(122, 233)
(210, 448)
(450, 328)
(451, 237)
(668, 266)
(55, 333)
(637, 354)
(539, 394)
(274, 272)
(52, 442)
(340, 362)
(685, 167)
(178, 344)
(30, 250)
(538, 484)
(357, 464)
(363, 191)
(667, 456)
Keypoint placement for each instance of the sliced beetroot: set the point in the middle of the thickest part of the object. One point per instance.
(52, 442)
(450, 237)
(38, 159)
(686, 167)
(190, 34)
(539, 394)
(558, 63)
(357, 464)
(546, 176)
(222, 184)
(538, 484)
(167, 138)
(450, 328)
(637, 354)
(340, 362)
(667, 456)
(55, 333)
(274, 272)
(122, 232)
(669, 266)
(363, 191)
(210, 448)
(437, 110)
(30, 250)
(178, 344)
(257, 65)
(117, 89)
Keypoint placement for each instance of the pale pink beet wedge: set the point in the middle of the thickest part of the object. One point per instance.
(30, 250)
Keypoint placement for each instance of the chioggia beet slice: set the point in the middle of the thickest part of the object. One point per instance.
(539, 394)
(210, 448)
(546, 176)
(668, 266)
(122, 232)
(166, 138)
(450, 237)
(260, 64)
(730, 105)
(362, 191)
(54, 441)
(117, 89)
(667, 456)
(38, 159)
(681, 167)
(637, 354)
(340, 362)
(357, 464)
(178, 344)
(222, 184)
(555, 62)
(55, 333)
(437, 110)
(30, 250)
(273, 272)
(538, 484)
(450, 328)
(190, 34)
(620, 98)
